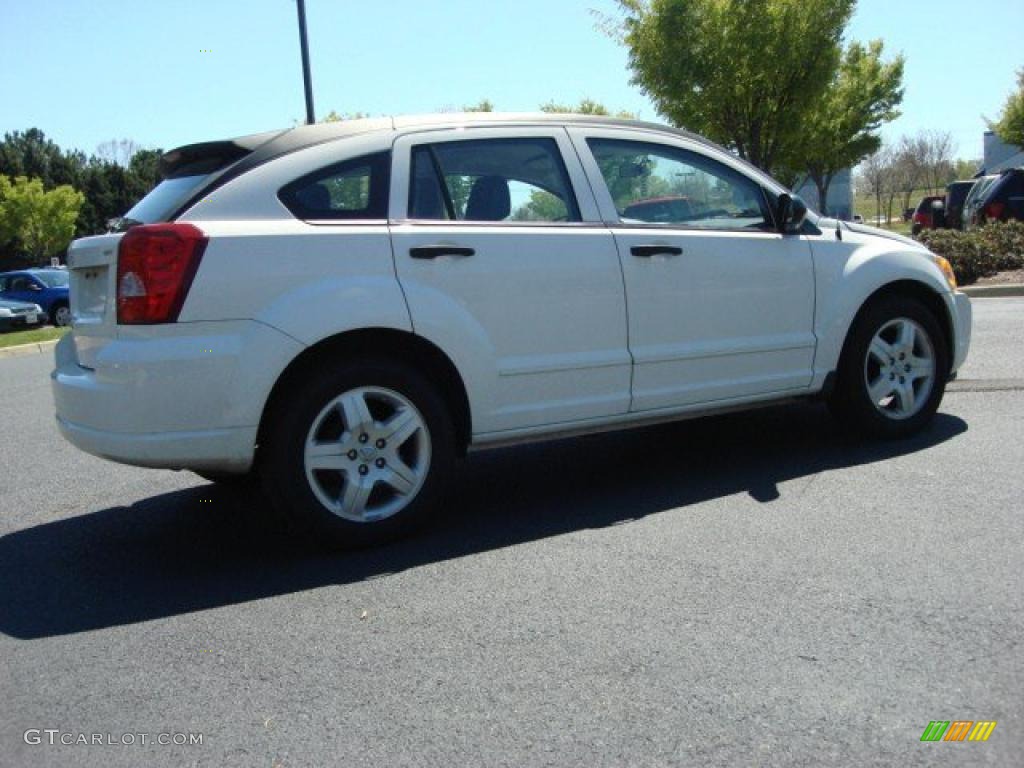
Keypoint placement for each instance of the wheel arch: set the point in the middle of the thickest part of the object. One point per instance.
(916, 289)
(382, 342)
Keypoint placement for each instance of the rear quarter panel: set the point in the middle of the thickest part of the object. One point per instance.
(311, 281)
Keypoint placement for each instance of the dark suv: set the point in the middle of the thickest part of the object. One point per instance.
(925, 216)
(1003, 200)
(956, 196)
(974, 200)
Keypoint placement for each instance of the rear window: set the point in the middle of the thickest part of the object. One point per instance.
(166, 198)
(957, 193)
(355, 189)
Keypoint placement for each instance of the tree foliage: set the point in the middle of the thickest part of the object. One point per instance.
(586, 106)
(745, 73)
(110, 185)
(42, 221)
(484, 105)
(842, 128)
(913, 165)
(337, 117)
(1010, 126)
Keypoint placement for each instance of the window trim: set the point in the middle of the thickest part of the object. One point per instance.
(428, 141)
(379, 191)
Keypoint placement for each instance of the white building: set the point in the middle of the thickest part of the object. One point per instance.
(840, 194)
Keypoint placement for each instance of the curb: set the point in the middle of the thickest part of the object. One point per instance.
(22, 350)
(993, 291)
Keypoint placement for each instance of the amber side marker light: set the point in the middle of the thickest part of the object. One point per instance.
(947, 270)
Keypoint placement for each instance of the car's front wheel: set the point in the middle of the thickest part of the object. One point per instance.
(359, 454)
(893, 370)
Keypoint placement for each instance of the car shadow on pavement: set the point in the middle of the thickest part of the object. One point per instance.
(206, 547)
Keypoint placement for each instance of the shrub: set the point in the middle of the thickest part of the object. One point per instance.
(1005, 242)
(980, 252)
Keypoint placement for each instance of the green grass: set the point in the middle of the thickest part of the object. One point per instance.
(14, 338)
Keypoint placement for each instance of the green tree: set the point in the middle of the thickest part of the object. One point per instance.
(30, 153)
(1010, 126)
(484, 105)
(336, 117)
(965, 169)
(42, 221)
(586, 106)
(842, 127)
(744, 73)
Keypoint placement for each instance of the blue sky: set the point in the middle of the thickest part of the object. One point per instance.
(86, 72)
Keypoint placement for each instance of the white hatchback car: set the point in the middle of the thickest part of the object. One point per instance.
(343, 309)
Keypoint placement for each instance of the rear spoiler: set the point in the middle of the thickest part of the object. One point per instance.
(210, 156)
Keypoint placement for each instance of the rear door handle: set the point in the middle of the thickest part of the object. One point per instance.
(646, 251)
(433, 251)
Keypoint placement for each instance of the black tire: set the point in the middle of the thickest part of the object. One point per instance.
(281, 464)
(850, 401)
(57, 318)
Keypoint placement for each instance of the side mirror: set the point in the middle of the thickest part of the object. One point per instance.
(34, 287)
(791, 213)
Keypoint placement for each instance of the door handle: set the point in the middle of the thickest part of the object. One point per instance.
(433, 251)
(647, 251)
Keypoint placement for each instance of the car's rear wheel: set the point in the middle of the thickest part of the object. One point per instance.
(893, 370)
(358, 455)
(60, 315)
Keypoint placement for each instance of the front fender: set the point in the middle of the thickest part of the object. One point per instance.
(848, 273)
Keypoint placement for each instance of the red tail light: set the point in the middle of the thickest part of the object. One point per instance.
(922, 218)
(994, 210)
(155, 267)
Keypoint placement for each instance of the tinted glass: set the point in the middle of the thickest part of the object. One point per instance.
(957, 193)
(491, 180)
(165, 199)
(354, 189)
(654, 184)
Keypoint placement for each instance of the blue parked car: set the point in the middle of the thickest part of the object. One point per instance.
(46, 287)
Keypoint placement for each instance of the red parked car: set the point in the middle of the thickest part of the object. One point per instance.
(926, 216)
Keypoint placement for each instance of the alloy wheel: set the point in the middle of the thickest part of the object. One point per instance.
(899, 369)
(367, 454)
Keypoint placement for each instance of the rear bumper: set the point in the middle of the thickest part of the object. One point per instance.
(962, 316)
(184, 396)
(217, 450)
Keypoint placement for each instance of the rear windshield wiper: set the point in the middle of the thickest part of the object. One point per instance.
(122, 224)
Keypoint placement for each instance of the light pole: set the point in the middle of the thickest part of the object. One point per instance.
(307, 78)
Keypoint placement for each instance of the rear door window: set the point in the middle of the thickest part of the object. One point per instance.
(491, 180)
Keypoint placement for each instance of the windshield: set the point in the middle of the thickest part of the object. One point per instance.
(54, 279)
(165, 199)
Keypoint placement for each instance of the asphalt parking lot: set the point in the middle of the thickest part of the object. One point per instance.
(746, 590)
